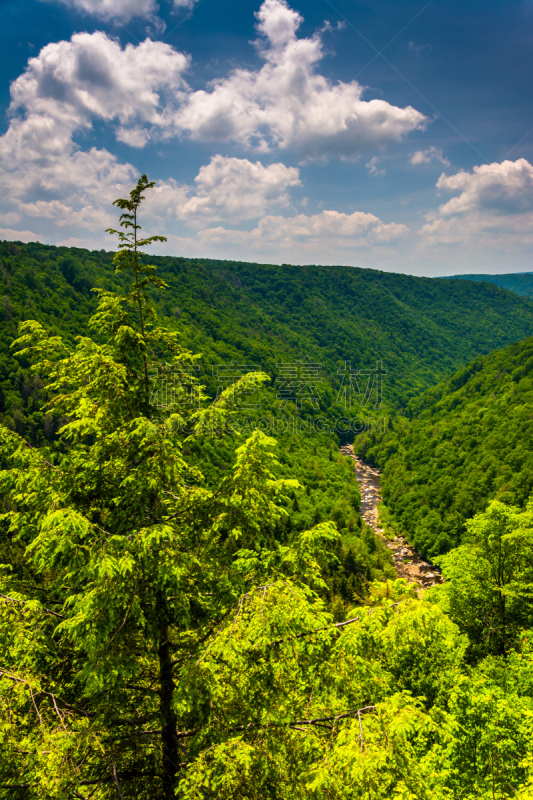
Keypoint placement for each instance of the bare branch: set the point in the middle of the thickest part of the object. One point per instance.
(115, 779)
(319, 722)
(7, 599)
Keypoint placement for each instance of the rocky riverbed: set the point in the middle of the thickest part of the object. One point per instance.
(407, 561)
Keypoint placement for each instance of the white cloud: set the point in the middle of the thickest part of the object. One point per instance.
(56, 187)
(10, 218)
(505, 188)
(18, 236)
(75, 191)
(287, 104)
(491, 217)
(429, 155)
(188, 4)
(61, 91)
(115, 10)
(133, 137)
(230, 190)
(374, 169)
(345, 230)
(91, 76)
(78, 190)
(94, 243)
(329, 237)
(141, 90)
(235, 189)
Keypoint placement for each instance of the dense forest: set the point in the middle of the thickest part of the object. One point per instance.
(519, 282)
(420, 328)
(468, 442)
(192, 610)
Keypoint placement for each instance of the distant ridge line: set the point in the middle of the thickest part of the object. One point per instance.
(518, 282)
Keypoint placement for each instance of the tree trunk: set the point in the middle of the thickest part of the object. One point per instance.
(169, 740)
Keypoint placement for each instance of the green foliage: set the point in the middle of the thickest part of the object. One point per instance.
(489, 579)
(489, 747)
(127, 563)
(421, 329)
(467, 443)
(190, 612)
(519, 282)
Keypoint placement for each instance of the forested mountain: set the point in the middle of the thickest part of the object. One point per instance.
(59, 295)
(468, 442)
(179, 616)
(262, 315)
(419, 328)
(518, 282)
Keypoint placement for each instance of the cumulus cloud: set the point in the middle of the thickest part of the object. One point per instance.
(429, 155)
(91, 76)
(329, 237)
(505, 188)
(115, 10)
(358, 230)
(11, 235)
(62, 90)
(230, 190)
(236, 189)
(288, 104)
(328, 229)
(10, 218)
(492, 214)
(140, 91)
(78, 191)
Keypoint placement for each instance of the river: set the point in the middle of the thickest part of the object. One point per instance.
(408, 563)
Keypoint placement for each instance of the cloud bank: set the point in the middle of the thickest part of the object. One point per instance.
(141, 95)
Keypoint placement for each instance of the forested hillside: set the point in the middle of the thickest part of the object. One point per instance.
(469, 441)
(262, 315)
(518, 282)
(58, 297)
(420, 329)
(189, 613)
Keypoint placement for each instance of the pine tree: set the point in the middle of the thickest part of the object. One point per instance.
(120, 563)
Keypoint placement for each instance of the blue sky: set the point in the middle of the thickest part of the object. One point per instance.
(397, 136)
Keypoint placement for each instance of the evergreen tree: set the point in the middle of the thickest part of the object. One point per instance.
(119, 563)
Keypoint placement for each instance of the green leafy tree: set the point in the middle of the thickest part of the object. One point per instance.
(165, 632)
(489, 580)
(121, 563)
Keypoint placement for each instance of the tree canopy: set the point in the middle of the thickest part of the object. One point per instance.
(184, 613)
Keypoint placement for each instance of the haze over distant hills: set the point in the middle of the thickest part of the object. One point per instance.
(519, 282)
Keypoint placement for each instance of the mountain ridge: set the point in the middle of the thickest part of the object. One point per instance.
(519, 282)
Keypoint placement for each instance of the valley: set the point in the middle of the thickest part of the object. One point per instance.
(408, 563)
(201, 597)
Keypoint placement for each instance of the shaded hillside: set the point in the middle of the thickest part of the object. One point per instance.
(519, 282)
(469, 442)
